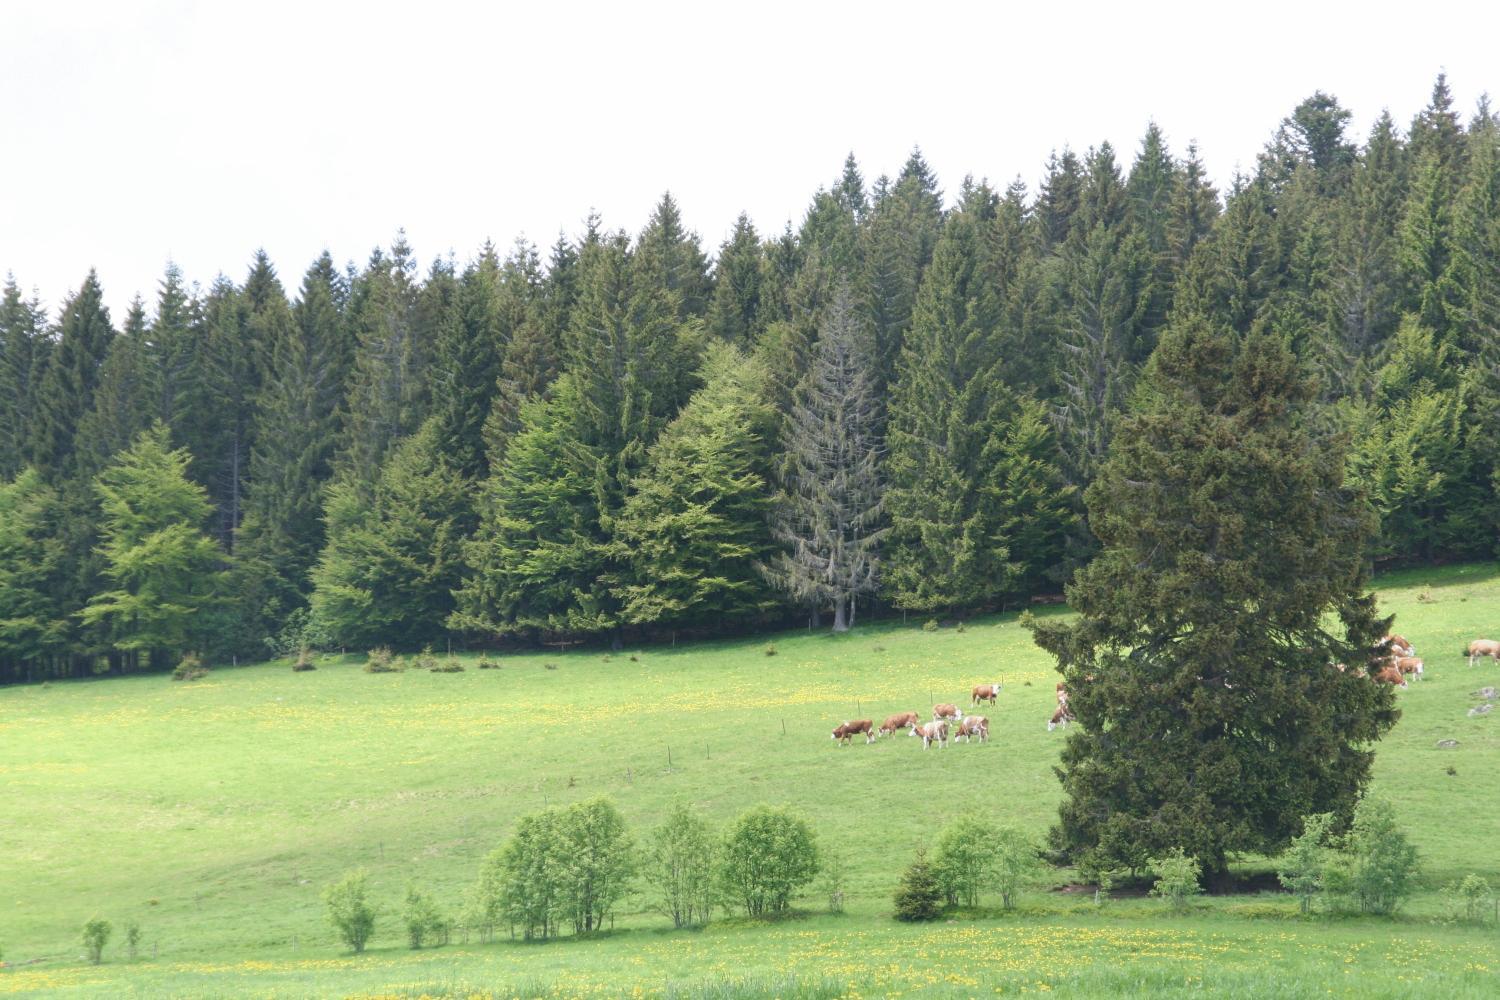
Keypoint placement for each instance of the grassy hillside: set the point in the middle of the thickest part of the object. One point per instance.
(213, 813)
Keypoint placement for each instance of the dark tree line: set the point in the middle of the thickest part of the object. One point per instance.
(897, 404)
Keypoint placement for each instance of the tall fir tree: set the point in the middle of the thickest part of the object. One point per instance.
(23, 356)
(33, 629)
(65, 391)
(829, 521)
(734, 315)
(671, 257)
(1231, 579)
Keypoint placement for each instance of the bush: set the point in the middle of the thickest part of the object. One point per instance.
(382, 661)
(349, 910)
(189, 668)
(601, 862)
(1473, 895)
(485, 663)
(1305, 863)
(1378, 865)
(426, 660)
(304, 661)
(1016, 864)
(679, 865)
(425, 924)
(768, 855)
(95, 936)
(297, 633)
(918, 897)
(833, 879)
(962, 860)
(1176, 878)
(132, 939)
(930, 625)
(518, 883)
(770, 649)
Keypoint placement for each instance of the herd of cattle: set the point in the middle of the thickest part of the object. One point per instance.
(947, 719)
(1393, 660)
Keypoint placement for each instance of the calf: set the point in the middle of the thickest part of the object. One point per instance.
(1482, 647)
(946, 712)
(1409, 665)
(935, 731)
(1061, 717)
(971, 727)
(901, 720)
(1390, 675)
(984, 692)
(849, 730)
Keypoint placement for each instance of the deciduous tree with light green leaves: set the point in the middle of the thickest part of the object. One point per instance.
(163, 567)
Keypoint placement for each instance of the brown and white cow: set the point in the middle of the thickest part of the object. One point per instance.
(984, 692)
(932, 732)
(1482, 647)
(972, 727)
(1399, 644)
(946, 711)
(1408, 665)
(849, 730)
(901, 720)
(1390, 675)
(1061, 717)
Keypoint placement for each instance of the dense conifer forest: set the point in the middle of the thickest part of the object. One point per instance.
(898, 405)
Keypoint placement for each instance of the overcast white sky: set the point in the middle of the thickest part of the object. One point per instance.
(138, 132)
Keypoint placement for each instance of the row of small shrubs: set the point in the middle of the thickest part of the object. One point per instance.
(381, 660)
(569, 867)
(971, 857)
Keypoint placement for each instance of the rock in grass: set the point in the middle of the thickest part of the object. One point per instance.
(1484, 709)
(1447, 744)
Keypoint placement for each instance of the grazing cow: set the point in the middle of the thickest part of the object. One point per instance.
(946, 712)
(971, 727)
(849, 730)
(901, 720)
(935, 731)
(1390, 675)
(1398, 642)
(984, 692)
(1409, 665)
(1061, 717)
(1482, 647)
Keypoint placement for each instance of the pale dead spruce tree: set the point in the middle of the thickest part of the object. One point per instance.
(829, 518)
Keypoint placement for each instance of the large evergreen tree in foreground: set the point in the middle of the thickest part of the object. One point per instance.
(1230, 582)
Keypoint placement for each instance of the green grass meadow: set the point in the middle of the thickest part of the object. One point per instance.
(214, 812)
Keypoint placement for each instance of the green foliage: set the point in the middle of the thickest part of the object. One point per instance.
(768, 855)
(1473, 895)
(1015, 864)
(95, 936)
(833, 877)
(919, 896)
(695, 524)
(349, 909)
(1377, 868)
(598, 862)
(163, 567)
(31, 620)
(189, 668)
(963, 860)
(425, 923)
(1304, 865)
(679, 863)
(1176, 878)
(381, 660)
(394, 554)
(132, 939)
(1232, 574)
(519, 883)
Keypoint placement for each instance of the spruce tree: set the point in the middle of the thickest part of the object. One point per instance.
(23, 348)
(1365, 281)
(948, 408)
(292, 458)
(32, 624)
(829, 522)
(393, 557)
(897, 245)
(670, 257)
(126, 399)
(1231, 579)
(734, 314)
(66, 389)
(695, 525)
